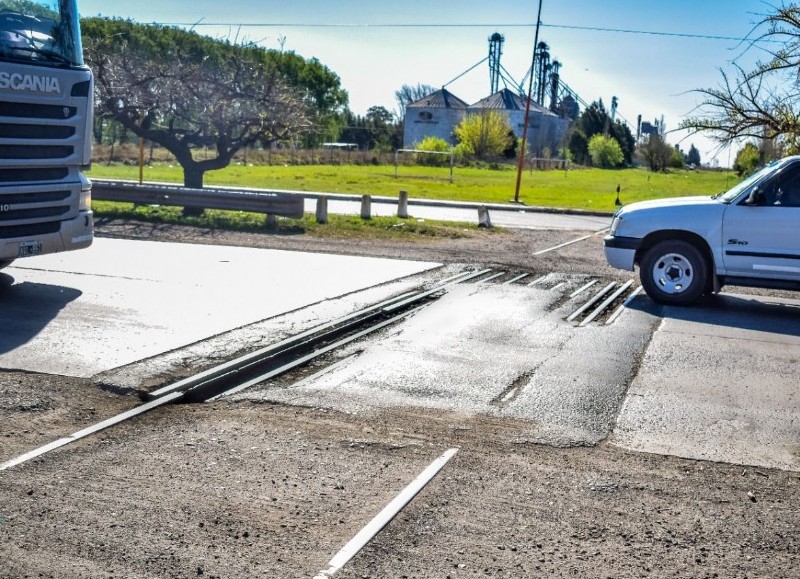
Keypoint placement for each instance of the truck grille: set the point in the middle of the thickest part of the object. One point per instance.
(33, 175)
(35, 152)
(41, 151)
(13, 231)
(36, 111)
(8, 131)
(37, 213)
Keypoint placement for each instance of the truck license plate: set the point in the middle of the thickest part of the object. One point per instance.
(28, 248)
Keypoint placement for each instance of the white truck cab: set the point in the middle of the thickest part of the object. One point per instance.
(690, 246)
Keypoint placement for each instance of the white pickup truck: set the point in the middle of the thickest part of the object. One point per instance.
(687, 247)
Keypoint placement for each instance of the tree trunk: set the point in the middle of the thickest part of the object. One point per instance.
(192, 179)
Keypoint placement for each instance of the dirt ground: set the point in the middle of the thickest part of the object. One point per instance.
(241, 490)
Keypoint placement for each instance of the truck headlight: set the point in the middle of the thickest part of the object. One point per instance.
(85, 201)
(615, 221)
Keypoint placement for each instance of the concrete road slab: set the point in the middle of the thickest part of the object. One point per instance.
(120, 301)
(492, 349)
(720, 382)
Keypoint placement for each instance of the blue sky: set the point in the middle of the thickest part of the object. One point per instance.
(651, 55)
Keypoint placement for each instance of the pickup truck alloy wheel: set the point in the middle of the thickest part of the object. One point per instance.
(674, 272)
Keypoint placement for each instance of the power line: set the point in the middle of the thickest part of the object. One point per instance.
(367, 25)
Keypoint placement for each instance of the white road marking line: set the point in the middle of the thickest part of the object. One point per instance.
(90, 430)
(383, 518)
(565, 244)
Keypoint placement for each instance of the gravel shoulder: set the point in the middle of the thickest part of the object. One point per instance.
(262, 490)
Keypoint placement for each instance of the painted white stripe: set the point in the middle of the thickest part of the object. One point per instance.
(383, 518)
(555, 247)
(90, 430)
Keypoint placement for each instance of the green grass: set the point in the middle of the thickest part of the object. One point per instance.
(588, 189)
(338, 226)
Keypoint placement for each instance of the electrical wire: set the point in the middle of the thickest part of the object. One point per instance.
(458, 25)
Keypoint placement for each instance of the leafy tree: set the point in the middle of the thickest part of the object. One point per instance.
(188, 92)
(748, 159)
(605, 152)
(407, 94)
(376, 130)
(677, 160)
(693, 157)
(763, 103)
(656, 153)
(383, 128)
(27, 8)
(483, 135)
(592, 121)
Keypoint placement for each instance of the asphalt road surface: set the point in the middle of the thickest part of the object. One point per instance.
(663, 443)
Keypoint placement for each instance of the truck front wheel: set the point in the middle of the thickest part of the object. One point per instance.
(674, 272)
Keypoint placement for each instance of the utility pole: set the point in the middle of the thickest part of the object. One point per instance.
(527, 107)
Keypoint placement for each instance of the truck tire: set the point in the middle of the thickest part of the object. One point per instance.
(5, 262)
(674, 272)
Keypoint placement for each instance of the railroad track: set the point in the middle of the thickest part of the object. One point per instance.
(298, 350)
(598, 306)
(268, 362)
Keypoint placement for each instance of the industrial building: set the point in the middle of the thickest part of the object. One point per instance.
(437, 114)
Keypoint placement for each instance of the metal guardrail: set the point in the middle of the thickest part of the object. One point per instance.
(268, 202)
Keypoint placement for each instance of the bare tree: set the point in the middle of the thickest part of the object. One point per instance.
(763, 103)
(190, 93)
(408, 94)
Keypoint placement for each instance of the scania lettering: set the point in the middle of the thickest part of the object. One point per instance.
(46, 112)
(29, 82)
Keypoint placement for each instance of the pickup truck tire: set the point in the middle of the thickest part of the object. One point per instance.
(5, 262)
(674, 272)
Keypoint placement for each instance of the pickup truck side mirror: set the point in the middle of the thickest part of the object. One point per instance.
(756, 197)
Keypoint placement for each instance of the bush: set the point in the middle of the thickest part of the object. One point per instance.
(433, 144)
(605, 152)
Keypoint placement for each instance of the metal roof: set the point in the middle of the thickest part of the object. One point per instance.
(507, 100)
(441, 99)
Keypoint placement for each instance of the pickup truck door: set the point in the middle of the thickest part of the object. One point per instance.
(762, 239)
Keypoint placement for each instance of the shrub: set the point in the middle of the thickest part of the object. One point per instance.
(433, 144)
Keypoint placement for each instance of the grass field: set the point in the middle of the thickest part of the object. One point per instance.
(589, 189)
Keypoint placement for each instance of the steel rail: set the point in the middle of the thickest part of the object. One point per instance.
(203, 394)
(303, 347)
(244, 367)
(624, 305)
(607, 302)
(598, 296)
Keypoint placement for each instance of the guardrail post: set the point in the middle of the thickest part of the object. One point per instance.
(322, 209)
(366, 207)
(272, 221)
(483, 217)
(402, 205)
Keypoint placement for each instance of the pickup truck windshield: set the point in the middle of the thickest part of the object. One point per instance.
(42, 32)
(731, 194)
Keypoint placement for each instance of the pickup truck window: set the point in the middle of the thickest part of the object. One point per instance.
(784, 190)
(734, 192)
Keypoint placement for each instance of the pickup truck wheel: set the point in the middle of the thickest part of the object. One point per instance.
(674, 272)
(5, 262)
